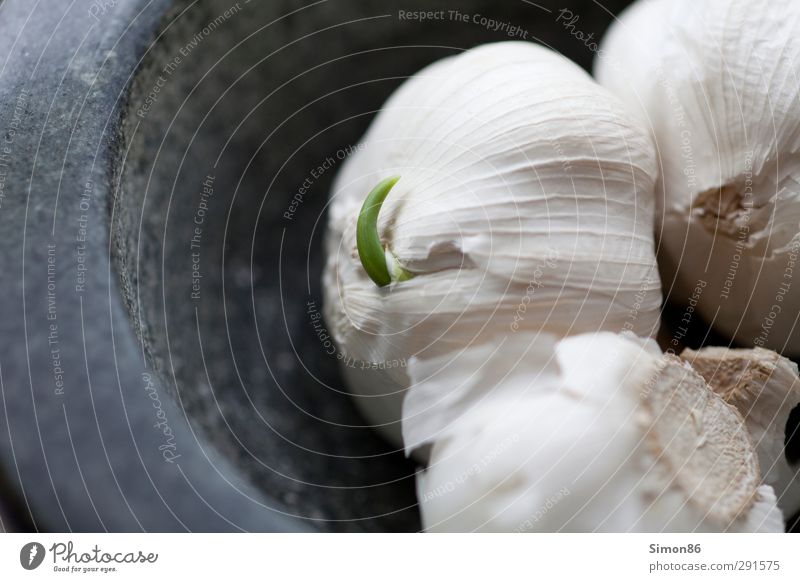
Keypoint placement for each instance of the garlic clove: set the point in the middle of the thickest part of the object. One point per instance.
(716, 83)
(642, 445)
(595, 366)
(521, 461)
(444, 388)
(764, 387)
(525, 203)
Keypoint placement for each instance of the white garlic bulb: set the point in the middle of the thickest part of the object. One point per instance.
(598, 433)
(525, 202)
(717, 84)
(765, 388)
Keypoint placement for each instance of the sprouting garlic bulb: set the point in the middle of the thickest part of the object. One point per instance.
(596, 433)
(765, 388)
(717, 83)
(525, 202)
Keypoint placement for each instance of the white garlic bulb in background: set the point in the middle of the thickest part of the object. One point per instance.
(717, 82)
(598, 433)
(525, 202)
(765, 388)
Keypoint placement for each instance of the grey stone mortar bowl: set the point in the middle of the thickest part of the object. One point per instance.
(164, 172)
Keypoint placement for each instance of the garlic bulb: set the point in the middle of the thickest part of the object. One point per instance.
(597, 433)
(717, 84)
(765, 388)
(525, 202)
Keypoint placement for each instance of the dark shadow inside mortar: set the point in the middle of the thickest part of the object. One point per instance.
(218, 220)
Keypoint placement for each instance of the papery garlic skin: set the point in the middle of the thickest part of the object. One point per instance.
(717, 84)
(764, 516)
(604, 435)
(447, 387)
(765, 388)
(525, 203)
